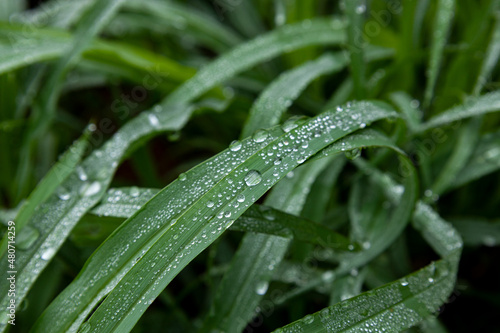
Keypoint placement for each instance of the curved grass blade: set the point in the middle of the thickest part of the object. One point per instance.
(484, 160)
(277, 97)
(100, 166)
(355, 10)
(252, 267)
(478, 231)
(163, 227)
(442, 24)
(51, 44)
(473, 106)
(54, 219)
(90, 24)
(402, 303)
(465, 146)
(243, 57)
(383, 237)
(491, 57)
(187, 21)
(411, 114)
(50, 182)
(124, 202)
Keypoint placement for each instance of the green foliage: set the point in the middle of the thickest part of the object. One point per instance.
(286, 166)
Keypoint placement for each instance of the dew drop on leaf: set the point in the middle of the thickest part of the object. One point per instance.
(134, 192)
(235, 145)
(261, 287)
(90, 189)
(260, 136)
(182, 177)
(48, 253)
(253, 178)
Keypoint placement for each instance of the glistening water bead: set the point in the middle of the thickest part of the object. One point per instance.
(253, 178)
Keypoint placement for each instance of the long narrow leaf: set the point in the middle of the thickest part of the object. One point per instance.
(158, 237)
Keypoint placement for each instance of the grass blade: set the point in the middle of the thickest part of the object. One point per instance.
(124, 202)
(464, 147)
(473, 106)
(355, 11)
(247, 280)
(442, 24)
(484, 160)
(187, 21)
(156, 234)
(273, 102)
(491, 57)
(78, 193)
(402, 303)
(243, 57)
(47, 186)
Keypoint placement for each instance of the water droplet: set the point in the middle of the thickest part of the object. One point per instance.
(240, 198)
(277, 161)
(308, 319)
(260, 136)
(362, 125)
(64, 196)
(404, 283)
(90, 189)
(27, 237)
(210, 204)
(85, 328)
(153, 120)
(353, 154)
(81, 173)
(430, 280)
(289, 125)
(48, 253)
(182, 177)
(235, 145)
(414, 103)
(261, 287)
(134, 192)
(253, 178)
(360, 9)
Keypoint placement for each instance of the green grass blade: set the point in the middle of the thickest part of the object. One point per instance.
(402, 303)
(112, 57)
(187, 21)
(478, 231)
(47, 186)
(355, 11)
(124, 202)
(473, 106)
(484, 160)
(207, 180)
(78, 193)
(266, 220)
(277, 97)
(491, 57)
(411, 114)
(90, 24)
(267, 46)
(442, 24)
(465, 146)
(247, 280)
